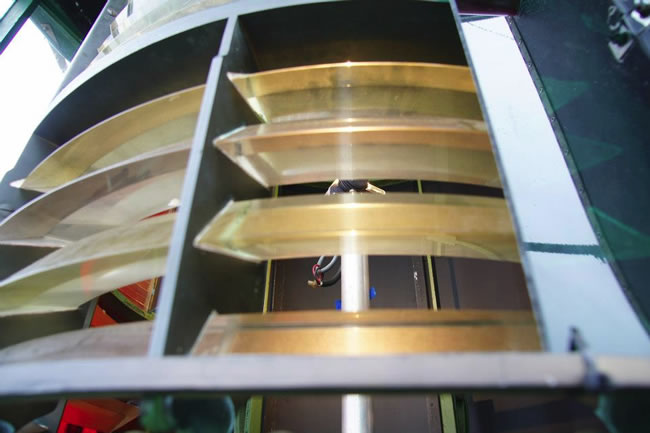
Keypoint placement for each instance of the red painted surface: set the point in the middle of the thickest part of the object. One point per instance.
(96, 416)
(101, 318)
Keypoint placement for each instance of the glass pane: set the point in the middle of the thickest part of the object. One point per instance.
(368, 333)
(392, 224)
(166, 121)
(443, 149)
(120, 194)
(354, 89)
(86, 269)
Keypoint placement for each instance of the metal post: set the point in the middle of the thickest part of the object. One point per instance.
(357, 414)
(355, 284)
(355, 296)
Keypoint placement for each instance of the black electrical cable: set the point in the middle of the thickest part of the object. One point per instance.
(344, 186)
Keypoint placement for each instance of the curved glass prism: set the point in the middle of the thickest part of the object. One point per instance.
(440, 149)
(154, 125)
(370, 332)
(120, 194)
(86, 269)
(358, 89)
(373, 332)
(373, 224)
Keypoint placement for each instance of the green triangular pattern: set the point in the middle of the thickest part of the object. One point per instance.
(625, 242)
(588, 152)
(561, 92)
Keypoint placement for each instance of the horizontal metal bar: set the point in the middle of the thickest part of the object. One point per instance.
(333, 374)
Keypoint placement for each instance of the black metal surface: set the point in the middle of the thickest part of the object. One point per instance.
(354, 31)
(15, 258)
(197, 282)
(480, 284)
(15, 329)
(307, 414)
(19, 414)
(600, 104)
(175, 63)
(489, 7)
(522, 413)
(432, 187)
(80, 16)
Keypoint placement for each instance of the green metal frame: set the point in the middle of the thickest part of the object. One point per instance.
(13, 20)
(66, 36)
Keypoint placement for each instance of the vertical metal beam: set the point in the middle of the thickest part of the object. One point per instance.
(266, 306)
(432, 281)
(197, 282)
(355, 284)
(355, 296)
(357, 414)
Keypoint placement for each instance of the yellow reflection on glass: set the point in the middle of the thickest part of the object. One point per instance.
(392, 224)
